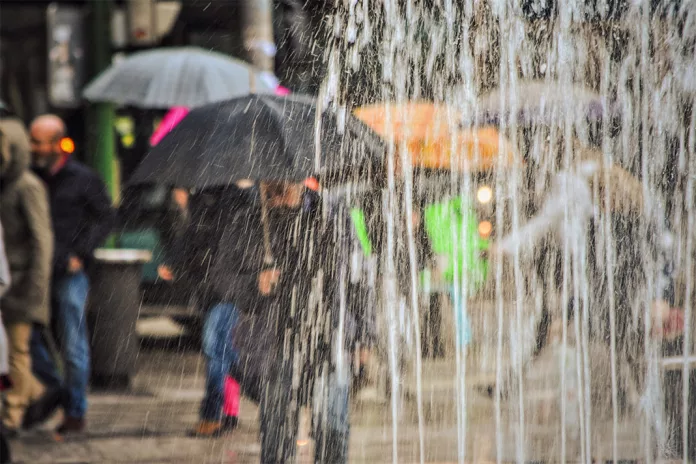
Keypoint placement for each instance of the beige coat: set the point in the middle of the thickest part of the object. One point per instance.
(28, 235)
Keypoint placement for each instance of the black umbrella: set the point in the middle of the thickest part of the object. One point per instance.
(260, 137)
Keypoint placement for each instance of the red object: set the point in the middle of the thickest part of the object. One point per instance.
(282, 91)
(232, 397)
(672, 326)
(312, 184)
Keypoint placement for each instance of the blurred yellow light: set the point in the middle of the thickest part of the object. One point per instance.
(485, 228)
(484, 194)
(128, 140)
(67, 145)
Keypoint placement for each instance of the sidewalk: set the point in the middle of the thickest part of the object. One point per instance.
(149, 423)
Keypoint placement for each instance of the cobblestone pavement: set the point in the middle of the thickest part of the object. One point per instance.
(148, 424)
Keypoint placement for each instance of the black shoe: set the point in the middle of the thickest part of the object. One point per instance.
(71, 425)
(40, 410)
(229, 423)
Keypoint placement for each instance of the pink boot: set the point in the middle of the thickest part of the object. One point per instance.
(230, 408)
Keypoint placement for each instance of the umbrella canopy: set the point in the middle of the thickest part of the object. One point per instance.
(259, 137)
(407, 121)
(473, 150)
(432, 138)
(167, 77)
(541, 102)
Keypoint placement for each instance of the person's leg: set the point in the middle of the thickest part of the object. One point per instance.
(217, 347)
(42, 362)
(331, 411)
(279, 410)
(25, 387)
(230, 408)
(71, 325)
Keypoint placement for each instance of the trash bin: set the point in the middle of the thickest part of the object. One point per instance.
(114, 303)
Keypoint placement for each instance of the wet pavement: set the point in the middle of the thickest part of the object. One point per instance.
(148, 424)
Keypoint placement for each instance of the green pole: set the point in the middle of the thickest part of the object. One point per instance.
(101, 142)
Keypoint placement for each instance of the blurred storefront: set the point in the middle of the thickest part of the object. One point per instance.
(46, 54)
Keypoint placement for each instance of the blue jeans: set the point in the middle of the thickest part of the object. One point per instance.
(69, 302)
(217, 347)
(42, 360)
(463, 323)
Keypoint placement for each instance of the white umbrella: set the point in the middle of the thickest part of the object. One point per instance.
(542, 102)
(186, 76)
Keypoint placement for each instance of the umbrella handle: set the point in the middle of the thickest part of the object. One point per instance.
(268, 254)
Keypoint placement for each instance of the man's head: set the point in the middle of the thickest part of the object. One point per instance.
(283, 194)
(46, 132)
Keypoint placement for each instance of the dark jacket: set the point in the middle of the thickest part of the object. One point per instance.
(211, 216)
(81, 211)
(312, 308)
(27, 229)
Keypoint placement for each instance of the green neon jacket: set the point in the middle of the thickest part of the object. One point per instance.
(452, 229)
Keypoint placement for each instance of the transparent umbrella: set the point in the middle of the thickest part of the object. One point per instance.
(186, 76)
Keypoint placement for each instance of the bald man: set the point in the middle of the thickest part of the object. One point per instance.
(82, 218)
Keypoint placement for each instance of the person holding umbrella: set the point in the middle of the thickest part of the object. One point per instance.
(277, 271)
(259, 282)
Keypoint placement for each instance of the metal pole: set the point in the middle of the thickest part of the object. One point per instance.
(258, 34)
(100, 116)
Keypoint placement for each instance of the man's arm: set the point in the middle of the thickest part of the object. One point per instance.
(102, 218)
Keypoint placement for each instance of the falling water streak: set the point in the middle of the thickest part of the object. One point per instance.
(509, 56)
(564, 319)
(408, 200)
(460, 366)
(460, 306)
(391, 297)
(460, 318)
(612, 313)
(499, 315)
(578, 252)
(607, 160)
(586, 358)
(644, 87)
(688, 303)
(564, 58)
(519, 309)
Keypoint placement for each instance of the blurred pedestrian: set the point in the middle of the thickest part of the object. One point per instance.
(29, 245)
(223, 286)
(294, 344)
(5, 282)
(575, 218)
(82, 217)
